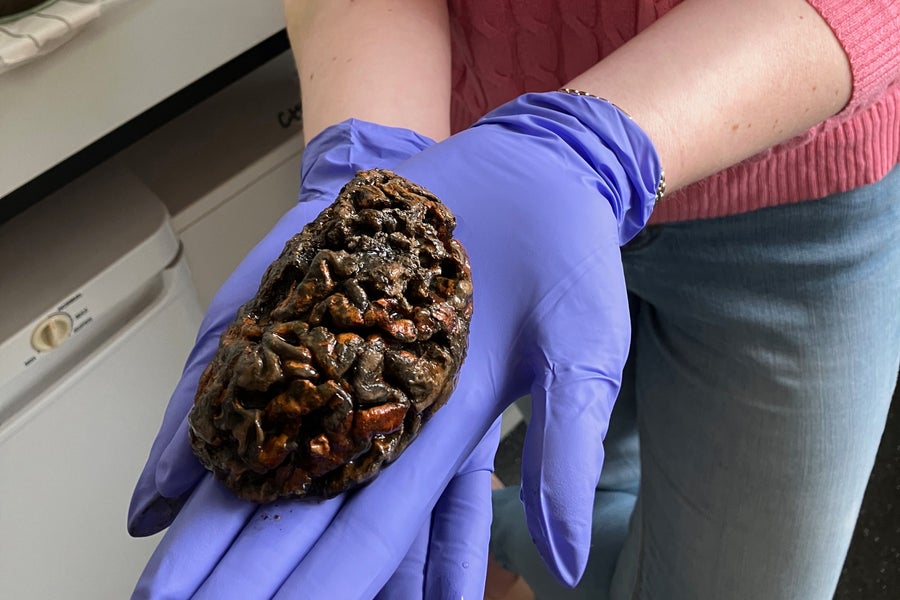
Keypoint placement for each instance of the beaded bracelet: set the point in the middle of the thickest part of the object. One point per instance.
(661, 188)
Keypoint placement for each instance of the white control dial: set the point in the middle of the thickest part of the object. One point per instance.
(51, 332)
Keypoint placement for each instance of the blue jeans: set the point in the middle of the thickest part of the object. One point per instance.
(764, 354)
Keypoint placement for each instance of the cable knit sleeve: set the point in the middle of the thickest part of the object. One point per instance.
(869, 32)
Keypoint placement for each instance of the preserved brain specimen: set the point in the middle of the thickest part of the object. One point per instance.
(353, 340)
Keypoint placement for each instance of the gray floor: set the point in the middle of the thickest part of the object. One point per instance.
(872, 569)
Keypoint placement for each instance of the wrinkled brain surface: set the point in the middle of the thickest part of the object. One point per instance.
(352, 342)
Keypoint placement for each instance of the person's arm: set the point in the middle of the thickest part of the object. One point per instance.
(385, 61)
(355, 53)
(714, 82)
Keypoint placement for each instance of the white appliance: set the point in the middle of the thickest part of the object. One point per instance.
(99, 313)
(102, 289)
(121, 64)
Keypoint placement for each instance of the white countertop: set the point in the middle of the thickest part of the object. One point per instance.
(125, 61)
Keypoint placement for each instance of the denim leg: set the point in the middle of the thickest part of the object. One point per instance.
(766, 351)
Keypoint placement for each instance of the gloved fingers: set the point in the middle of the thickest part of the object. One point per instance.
(378, 523)
(277, 538)
(367, 540)
(408, 581)
(150, 512)
(461, 527)
(560, 471)
(265, 552)
(482, 457)
(460, 533)
(171, 470)
(452, 546)
(578, 353)
(210, 521)
(178, 470)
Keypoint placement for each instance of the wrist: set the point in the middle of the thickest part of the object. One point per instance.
(661, 187)
(338, 152)
(607, 143)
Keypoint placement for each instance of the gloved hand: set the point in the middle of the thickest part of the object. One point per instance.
(172, 472)
(448, 558)
(330, 160)
(545, 189)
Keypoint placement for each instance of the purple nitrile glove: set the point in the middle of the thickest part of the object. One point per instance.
(545, 189)
(330, 160)
(220, 547)
(448, 558)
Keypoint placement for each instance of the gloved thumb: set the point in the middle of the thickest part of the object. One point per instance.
(561, 465)
(577, 355)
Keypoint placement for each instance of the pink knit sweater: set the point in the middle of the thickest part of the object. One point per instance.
(503, 48)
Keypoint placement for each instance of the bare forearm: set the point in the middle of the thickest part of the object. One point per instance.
(716, 81)
(386, 61)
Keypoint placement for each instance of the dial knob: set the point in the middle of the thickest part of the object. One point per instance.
(51, 332)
